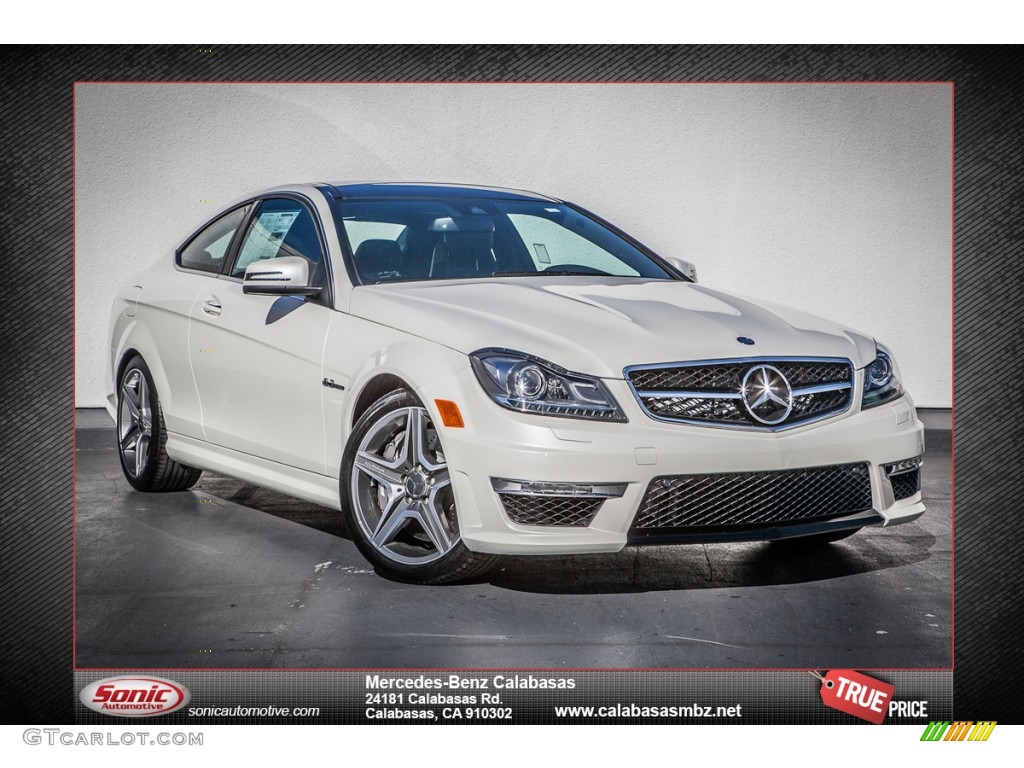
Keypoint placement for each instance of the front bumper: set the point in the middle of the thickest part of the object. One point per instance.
(498, 443)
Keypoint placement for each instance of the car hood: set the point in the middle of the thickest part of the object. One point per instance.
(602, 325)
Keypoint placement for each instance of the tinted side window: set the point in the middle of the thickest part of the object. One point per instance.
(207, 250)
(281, 228)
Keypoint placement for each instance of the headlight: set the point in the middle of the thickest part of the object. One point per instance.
(881, 381)
(523, 383)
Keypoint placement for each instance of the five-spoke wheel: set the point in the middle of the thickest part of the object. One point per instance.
(134, 422)
(399, 499)
(141, 436)
(402, 491)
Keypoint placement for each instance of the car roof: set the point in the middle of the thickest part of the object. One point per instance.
(381, 189)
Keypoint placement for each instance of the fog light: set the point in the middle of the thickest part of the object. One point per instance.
(542, 488)
(905, 478)
(538, 502)
(907, 465)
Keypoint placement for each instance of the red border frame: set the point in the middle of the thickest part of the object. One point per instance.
(74, 520)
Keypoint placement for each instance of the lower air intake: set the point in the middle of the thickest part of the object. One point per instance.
(714, 503)
(550, 510)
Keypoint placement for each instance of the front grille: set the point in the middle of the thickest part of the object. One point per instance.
(905, 484)
(712, 393)
(526, 509)
(710, 409)
(727, 377)
(747, 500)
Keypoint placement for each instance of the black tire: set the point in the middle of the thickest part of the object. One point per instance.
(397, 500)
(141, 437)
(817, 539)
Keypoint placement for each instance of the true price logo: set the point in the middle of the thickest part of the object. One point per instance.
(856, 694)
(134, 696)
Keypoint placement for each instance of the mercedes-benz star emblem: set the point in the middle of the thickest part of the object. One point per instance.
(767, 395)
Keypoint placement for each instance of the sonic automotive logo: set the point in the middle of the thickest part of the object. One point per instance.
(964, 730)
(134, 696)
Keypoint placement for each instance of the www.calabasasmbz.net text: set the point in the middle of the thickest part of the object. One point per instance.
(649, 710)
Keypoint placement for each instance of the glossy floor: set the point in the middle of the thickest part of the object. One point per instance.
(231, 576)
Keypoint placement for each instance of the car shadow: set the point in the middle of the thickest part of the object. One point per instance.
(273, 503)
(639, 569)
(714, 566)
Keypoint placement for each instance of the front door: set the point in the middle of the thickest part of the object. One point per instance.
(258, 359)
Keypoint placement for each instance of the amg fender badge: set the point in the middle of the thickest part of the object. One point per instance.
(330, 383)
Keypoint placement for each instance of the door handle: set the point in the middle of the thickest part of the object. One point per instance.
(211, 305)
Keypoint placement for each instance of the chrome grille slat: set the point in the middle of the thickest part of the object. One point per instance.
(710, 409)
(709, 392)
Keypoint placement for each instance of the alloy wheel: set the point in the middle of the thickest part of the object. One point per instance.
(401, 489)
(134, 422)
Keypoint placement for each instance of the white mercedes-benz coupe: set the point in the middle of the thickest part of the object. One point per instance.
(466, 372)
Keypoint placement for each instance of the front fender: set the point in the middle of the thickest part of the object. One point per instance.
(356, 354)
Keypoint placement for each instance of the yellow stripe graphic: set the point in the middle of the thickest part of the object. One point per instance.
(982, 730)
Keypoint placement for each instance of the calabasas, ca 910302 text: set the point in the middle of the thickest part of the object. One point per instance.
(496, 697)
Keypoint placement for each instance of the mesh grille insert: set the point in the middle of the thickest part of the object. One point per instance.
(749, 499)
(527, 509)
(905, 484)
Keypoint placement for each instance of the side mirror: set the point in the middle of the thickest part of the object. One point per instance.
(284, 276)
(688, 268)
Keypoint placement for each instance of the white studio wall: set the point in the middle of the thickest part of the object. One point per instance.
(835, 199)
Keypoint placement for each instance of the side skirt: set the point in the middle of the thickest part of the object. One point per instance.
(252, 469)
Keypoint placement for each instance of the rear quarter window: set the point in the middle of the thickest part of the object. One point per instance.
(207, 250)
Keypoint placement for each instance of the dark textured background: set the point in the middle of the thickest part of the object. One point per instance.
(36, 359)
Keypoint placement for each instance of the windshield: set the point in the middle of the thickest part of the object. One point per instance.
(414, 239)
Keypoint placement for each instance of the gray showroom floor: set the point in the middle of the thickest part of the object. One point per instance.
(228, 575)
